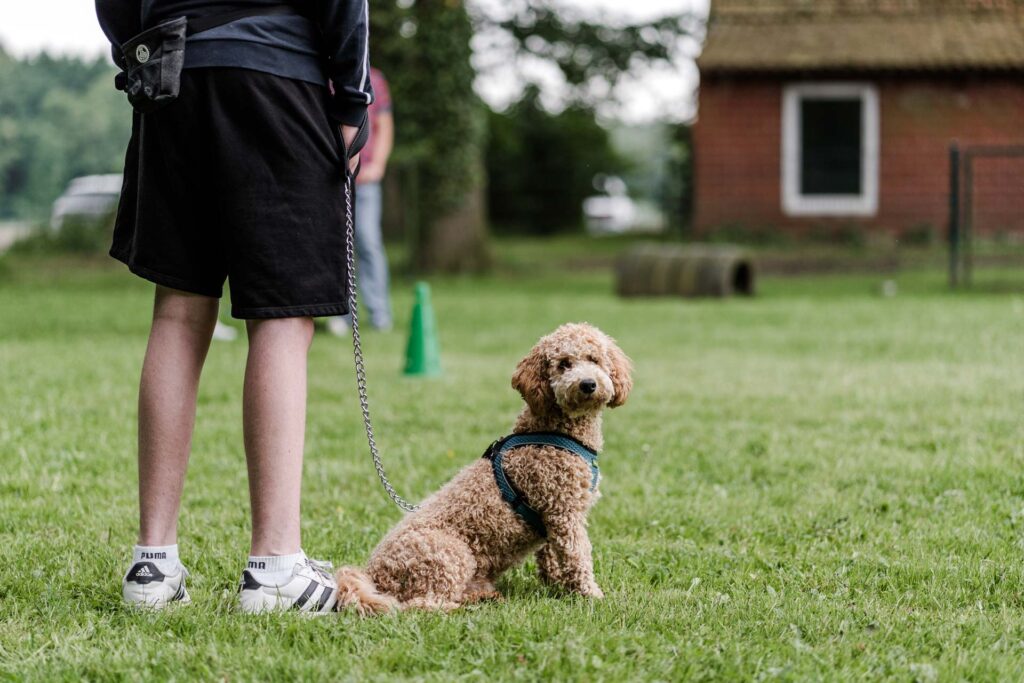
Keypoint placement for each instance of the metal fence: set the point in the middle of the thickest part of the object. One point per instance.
(964, 201)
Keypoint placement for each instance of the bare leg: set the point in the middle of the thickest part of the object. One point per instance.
(274, 416)
(178, 342)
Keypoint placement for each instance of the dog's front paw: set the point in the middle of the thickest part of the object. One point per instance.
(593, 591)
(482, 596)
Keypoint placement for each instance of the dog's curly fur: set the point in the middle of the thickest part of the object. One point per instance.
(451, 551)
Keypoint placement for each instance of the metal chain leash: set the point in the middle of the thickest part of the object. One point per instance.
(357, 349)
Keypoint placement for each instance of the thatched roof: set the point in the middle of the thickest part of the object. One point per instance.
(845, 35)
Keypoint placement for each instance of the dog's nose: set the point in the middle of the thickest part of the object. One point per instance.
(588, 386)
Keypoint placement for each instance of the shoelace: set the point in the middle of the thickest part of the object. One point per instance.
(321, 567)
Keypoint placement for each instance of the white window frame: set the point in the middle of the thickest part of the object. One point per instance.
(796, 204)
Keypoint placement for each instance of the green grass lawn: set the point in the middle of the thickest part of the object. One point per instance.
(819, 483)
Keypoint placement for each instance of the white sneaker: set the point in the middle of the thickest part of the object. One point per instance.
(312, 588)
(146, 586)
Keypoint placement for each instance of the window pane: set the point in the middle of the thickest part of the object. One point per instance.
(830, 143)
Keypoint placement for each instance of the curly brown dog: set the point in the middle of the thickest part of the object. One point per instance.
(452, 550)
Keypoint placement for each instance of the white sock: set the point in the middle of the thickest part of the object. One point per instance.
(165, 557)
(274, 570)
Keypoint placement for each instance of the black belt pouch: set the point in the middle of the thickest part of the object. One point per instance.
(154, 59)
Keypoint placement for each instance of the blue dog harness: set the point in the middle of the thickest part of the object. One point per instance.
(496, 452)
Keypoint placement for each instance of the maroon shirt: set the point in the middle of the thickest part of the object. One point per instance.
(381, 105)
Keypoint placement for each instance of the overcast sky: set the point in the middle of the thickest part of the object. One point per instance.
(70, 27)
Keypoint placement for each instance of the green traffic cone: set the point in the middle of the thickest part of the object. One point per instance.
(423, 353)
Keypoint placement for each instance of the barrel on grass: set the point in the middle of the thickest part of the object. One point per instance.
(690, 271)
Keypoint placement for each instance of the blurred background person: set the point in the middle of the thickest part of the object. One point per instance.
(372, 268)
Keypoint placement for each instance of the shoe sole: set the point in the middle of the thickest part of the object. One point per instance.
(158, 605)
(185, 599)
(271, 603)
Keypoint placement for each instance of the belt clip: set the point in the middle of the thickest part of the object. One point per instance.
(492, 449)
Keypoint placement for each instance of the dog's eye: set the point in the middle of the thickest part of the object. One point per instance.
(593, 359)
(564, 364)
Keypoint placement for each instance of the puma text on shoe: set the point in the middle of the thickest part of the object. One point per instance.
(311, 588)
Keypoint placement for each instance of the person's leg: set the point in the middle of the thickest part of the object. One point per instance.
(373, 262)
(274, 416)
(283, 212)
(178, 342)
(278, 574)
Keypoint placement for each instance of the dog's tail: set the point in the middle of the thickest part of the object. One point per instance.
(356, 589)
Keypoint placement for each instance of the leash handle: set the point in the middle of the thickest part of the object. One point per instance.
(357, 348)
(348, 151)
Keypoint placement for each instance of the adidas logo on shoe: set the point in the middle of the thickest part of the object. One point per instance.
(144, 572)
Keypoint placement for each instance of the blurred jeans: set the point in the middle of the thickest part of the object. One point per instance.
(372, 262)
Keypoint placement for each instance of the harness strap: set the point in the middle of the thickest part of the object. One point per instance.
(496, 453)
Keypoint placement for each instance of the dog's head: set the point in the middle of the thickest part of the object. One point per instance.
(577, 369)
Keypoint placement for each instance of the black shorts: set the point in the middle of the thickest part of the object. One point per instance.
(241, 177)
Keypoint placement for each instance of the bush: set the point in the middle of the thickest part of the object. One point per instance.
(540, 166)
(920, 235)
(60, 118)
(77, 235)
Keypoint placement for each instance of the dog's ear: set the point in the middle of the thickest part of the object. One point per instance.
(531, 381)
(621, 374)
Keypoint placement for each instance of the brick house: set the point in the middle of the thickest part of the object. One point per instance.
(828, 115)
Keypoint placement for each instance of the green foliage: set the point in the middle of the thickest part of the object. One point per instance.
(836, 233)
(60, 117)
(77, 235)
(592, 52)
(393, 50)
(446, 109)
(540, 165)
(423, 49)
(817, 484)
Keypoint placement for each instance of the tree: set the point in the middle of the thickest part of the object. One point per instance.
(60, 117)
(423, 48)
(540, 165)
(593, 52)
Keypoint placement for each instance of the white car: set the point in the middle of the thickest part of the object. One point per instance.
(613, 211)
(608, 215)
(89, 197)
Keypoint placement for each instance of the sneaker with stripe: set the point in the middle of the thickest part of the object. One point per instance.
(144, 585)
(311, 589)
